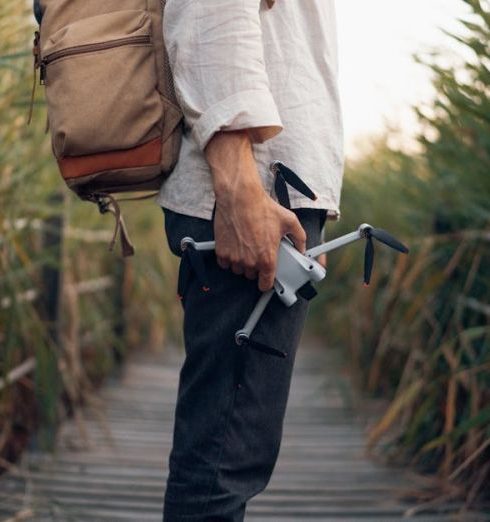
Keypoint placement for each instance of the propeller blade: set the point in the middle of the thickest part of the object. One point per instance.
(282, 191)
(294, 180)
(307, 291)
(388, 239)
(266, 349)
(184, 275)
(197, 264)
(368, 260)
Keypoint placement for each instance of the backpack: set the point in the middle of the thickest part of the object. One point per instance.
(115, 122)
(114, 119)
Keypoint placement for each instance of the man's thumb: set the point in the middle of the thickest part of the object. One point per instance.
(297, 233)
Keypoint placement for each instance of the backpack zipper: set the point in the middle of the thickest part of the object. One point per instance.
(36, 51)
(144, 39)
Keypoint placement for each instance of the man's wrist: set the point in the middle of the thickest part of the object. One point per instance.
(237, 190)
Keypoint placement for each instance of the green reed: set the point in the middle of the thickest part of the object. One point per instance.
(420, 335)
(76, 353)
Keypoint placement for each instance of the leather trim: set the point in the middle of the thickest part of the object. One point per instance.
(144, 155)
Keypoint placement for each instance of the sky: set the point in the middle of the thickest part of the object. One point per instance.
(379, 80)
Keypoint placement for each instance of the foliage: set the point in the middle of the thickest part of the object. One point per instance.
(421, 333)
(20, 325)
(78, 351)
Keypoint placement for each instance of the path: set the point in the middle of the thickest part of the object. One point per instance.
(322, 474)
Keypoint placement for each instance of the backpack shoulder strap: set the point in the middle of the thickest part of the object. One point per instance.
(37, 11)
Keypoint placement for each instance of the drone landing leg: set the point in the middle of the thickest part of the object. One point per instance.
(243, 335)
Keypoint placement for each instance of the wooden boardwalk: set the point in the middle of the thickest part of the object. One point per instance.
(322, 474)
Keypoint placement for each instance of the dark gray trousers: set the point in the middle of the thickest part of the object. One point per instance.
(231, 400)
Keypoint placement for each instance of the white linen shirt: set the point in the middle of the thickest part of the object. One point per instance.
(239, 65)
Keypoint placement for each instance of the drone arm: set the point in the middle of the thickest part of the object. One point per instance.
(338, 243)
(313, 252)
(205, 245)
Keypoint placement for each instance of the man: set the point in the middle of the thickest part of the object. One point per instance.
(256, 84)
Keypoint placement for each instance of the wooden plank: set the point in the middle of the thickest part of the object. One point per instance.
(323, 473)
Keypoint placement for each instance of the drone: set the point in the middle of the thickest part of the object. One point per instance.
(296, 273)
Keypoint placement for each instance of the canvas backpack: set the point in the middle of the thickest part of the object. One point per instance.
(113, 116)
(115, 122)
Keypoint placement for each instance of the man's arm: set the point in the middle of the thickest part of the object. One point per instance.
(216, 52)
(217, 57)
(249, 224)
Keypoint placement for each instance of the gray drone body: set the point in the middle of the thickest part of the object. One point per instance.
(294, 271)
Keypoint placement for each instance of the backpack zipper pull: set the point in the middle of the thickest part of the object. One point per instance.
(42, 72)
(108, 203)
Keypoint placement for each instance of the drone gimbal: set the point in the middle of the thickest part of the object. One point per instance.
(296, 272)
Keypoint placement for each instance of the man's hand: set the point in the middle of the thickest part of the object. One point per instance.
(249, 224)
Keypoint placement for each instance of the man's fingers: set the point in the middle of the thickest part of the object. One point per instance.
(250, 274)
(223, 263)
(266, 280)
(237, 268)
(297, 234)
(323, 260)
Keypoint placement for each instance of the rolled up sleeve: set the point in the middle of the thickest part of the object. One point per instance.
(216, 53)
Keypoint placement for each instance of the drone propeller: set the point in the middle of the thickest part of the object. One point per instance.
(243, 339)
(265, 349)
(192, 263)
(368, 260)
(388, 239)
(383, 237)
(307, 291)
(282, 191)
(284, 176)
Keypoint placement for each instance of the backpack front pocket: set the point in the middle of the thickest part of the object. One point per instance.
(101, 84)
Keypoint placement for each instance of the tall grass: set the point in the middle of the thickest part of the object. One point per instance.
(420, 335)
(81, 354)
(22, 159)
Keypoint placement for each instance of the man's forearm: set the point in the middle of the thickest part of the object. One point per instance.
(248, 224)
(235, 175)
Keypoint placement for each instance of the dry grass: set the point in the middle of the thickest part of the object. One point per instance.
(89, 327)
